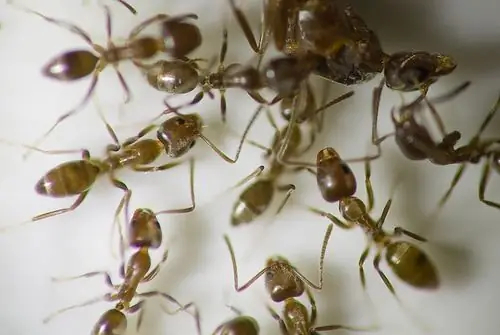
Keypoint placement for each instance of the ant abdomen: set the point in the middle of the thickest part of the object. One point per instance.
(175, 77)
(180, 38)
(254, 201)
(412, 265)
(112, 322)
(71, 65)
(334, 177)
(67, 179)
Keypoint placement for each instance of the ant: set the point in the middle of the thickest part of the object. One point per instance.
(297, 321)
(257, 197)
(183, 76)
(282, 279)
(413, 138)
(77, 177)
(144, 233)
(179, 133)
(178, 38)
(404, 258)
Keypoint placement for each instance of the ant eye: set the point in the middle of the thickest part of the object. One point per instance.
(345, 168)
(180, 121)
(192, 144)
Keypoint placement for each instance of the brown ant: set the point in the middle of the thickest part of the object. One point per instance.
(404, 258)
(144, 233)
(178, 38)
(282, 279)
(297, 321)
(410, 135)
(257, 197)
(179, 133)
(77, 177)
(183, 76)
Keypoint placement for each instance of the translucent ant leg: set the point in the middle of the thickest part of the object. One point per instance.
(485, 174)
(369, 188)
(288, 189)
(283, 329)
(385, 211)
(128, 6)
(154, 272)
(243, 137)
(376, 264)
(140, 27)
(361, 263)
(106, 297)
(139, 168)
(191, 192)
(454, 182)
(107, 278)
(335, 220)
(398, 231)
(122, 206)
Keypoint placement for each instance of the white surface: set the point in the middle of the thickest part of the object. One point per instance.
(463, 240)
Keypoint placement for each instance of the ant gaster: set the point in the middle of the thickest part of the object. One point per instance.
(404, 258)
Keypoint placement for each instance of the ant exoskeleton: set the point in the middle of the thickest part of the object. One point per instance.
(282, 279)
(257, 197)
(239, 325)
(297, 321)
(77, 177)
(144, 233)
(404, 258)
(178, 38)
(184, 75)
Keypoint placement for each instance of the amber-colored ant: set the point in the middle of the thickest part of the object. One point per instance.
(144, 233)
(183, 76)
(77, 177)
(239, 325)
(337, 183)
(178, 38)
(282, 279)
(257, 197)
(297, 321)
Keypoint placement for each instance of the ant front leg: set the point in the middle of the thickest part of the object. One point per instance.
(333, 219)
(361, 263)
(398, 231)
(154, 272)
(107, 278)
(454, 183)
(283, 329)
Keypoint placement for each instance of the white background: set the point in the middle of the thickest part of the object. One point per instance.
(463, 238)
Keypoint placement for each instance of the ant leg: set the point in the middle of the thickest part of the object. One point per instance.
(314, 309)
(123, 83)
(487, 120)
(289, 189)
(155, 168)
(71, 208)
(369, 188)
(326, 239)
(302, 168)
(107, 277)
(72, 112)
(140, 135)
(436, 117)
(283, 329)
(49, 318)
(332, 218)
(247, 31)
(398, 231)
(454, 183)
(361, 262)
(235, 269)
(376, 96)
(63, 24)
(191, 190)
(128, 6)
(385, 211)
(122, 206)
(158, 18)
(154, 272)
(485, 174)
(268, 151)
(243, 137)
(331, 103)
(376, 264)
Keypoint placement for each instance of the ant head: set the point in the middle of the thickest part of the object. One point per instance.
(145, 230)
(281, 280)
